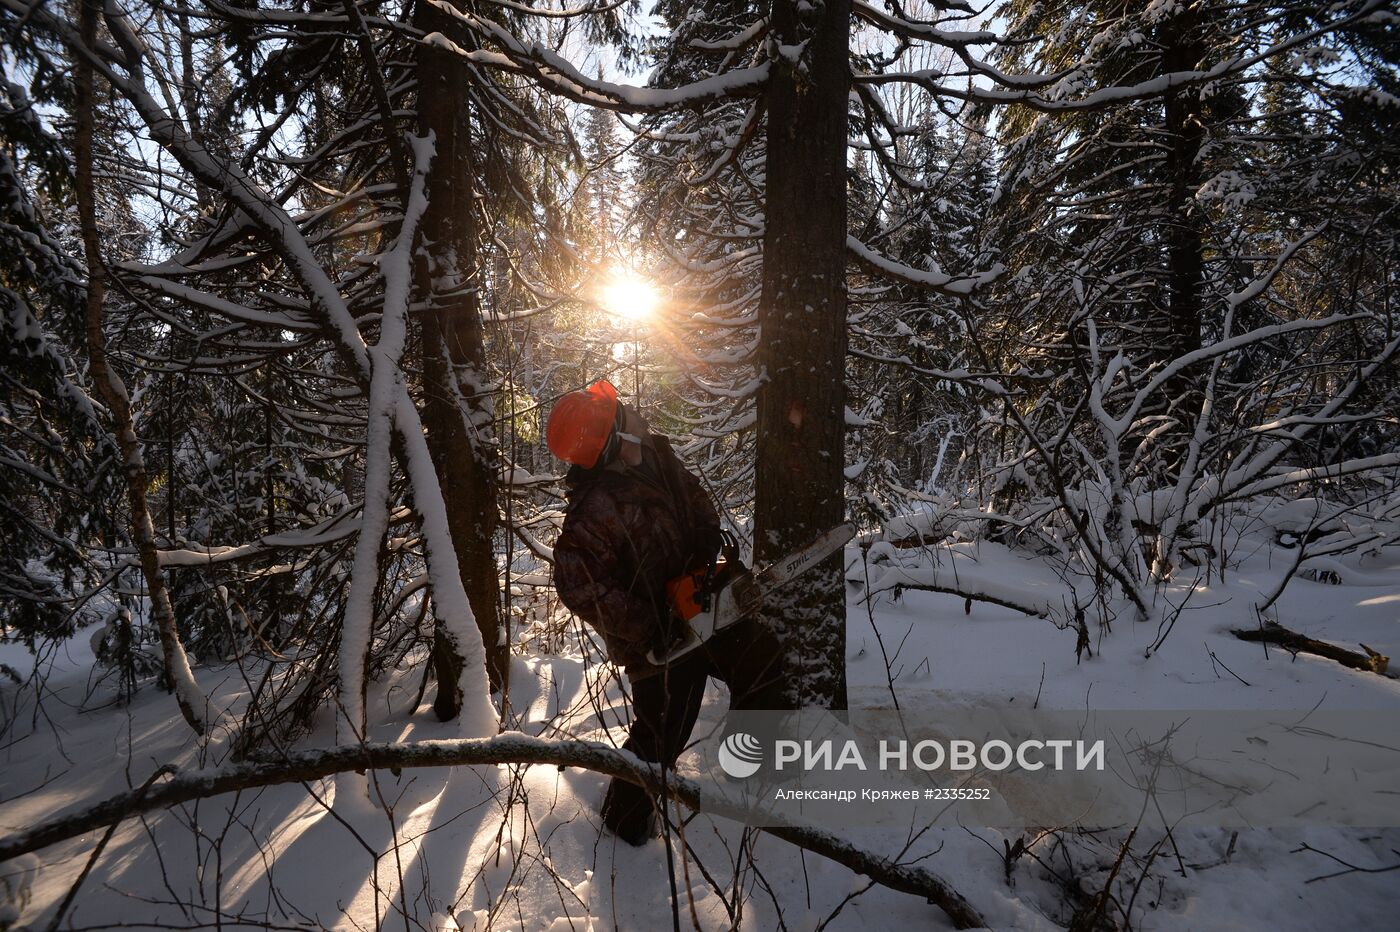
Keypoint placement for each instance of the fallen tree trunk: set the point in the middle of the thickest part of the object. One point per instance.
(1292, 641)
(301, 766)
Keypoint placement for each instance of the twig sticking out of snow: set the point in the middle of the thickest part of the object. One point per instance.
(1350, 867)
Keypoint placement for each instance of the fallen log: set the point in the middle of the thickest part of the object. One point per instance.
(301, 766)
(1295, 643)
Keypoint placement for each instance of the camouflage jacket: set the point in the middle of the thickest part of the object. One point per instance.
(626, 533)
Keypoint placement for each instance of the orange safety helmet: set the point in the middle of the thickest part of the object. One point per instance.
(581, 424)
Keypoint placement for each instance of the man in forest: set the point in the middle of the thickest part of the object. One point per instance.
(635, 520)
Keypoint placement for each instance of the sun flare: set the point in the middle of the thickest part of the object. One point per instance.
(629, 297)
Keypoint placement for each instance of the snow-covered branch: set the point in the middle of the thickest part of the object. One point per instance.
(307, 765)
(933, 279)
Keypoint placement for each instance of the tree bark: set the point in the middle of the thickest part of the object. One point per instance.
(1184, 241)
(799, 484)
(457, 394)
(1295, 643)
(113, 391)
(301, 766)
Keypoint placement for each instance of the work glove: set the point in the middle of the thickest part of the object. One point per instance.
(705, 543)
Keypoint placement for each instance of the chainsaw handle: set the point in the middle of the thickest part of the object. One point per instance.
(729, 548)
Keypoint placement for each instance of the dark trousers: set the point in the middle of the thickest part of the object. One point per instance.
(665, 706)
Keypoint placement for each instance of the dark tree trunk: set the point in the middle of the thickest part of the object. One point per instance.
(1185, 259)
(457, 395)
(799, 487)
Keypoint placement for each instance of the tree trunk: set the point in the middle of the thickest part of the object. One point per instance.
(799, 486)
(113, 391)
(271, 624)
(457, 395)
(1185, 251)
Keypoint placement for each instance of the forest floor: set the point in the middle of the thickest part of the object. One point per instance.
(442, 854)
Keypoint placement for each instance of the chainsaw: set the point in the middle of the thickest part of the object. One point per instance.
(712, 598)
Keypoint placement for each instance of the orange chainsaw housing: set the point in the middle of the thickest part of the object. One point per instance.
(686, 591)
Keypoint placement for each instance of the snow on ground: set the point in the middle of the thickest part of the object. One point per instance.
(469, 854)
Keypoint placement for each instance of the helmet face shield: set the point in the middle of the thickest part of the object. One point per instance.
(614, 442)
(583, 426)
